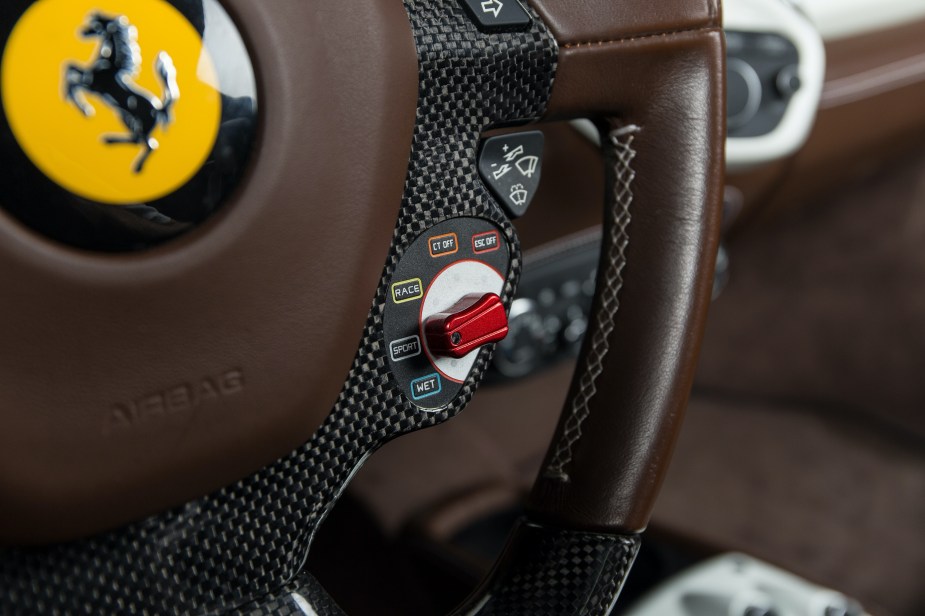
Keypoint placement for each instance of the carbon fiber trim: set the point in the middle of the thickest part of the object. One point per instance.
(232, 547)
(553, 572)
(304, 596)
(543, 572)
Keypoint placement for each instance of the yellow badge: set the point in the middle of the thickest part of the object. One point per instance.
(116, 101)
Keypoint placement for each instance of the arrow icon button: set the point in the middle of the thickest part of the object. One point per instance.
(498, 15)
(492, 6)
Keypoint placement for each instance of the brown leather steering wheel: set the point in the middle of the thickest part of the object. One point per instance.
(255, 314)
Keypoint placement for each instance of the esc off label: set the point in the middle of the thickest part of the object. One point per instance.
(486, 242)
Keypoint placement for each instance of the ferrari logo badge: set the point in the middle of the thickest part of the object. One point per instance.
(111, 75)
(116, 101)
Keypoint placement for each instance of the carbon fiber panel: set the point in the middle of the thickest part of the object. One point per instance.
(544, 572)
(554, 572)
(304, 596)
(249, 539)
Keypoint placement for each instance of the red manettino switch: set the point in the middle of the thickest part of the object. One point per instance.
(473, 322)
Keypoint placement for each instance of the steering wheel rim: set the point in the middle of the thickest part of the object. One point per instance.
(614, 64)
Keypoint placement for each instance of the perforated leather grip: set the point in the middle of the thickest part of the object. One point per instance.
(664, 99)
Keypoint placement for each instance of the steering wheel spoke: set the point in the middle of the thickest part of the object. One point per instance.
(655, 90)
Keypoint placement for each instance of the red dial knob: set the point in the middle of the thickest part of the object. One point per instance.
(473, 322)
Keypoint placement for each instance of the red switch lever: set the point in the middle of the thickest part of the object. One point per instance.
(473, 322)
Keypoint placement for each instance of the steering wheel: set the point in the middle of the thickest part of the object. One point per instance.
(367, 147)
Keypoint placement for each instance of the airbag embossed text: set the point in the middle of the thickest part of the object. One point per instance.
(181, 398)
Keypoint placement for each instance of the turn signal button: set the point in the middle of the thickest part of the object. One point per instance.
(473, 322)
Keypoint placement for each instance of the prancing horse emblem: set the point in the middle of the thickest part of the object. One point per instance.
(111, 77)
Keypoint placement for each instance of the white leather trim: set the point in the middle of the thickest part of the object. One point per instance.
(836, 19)
(780, 18)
